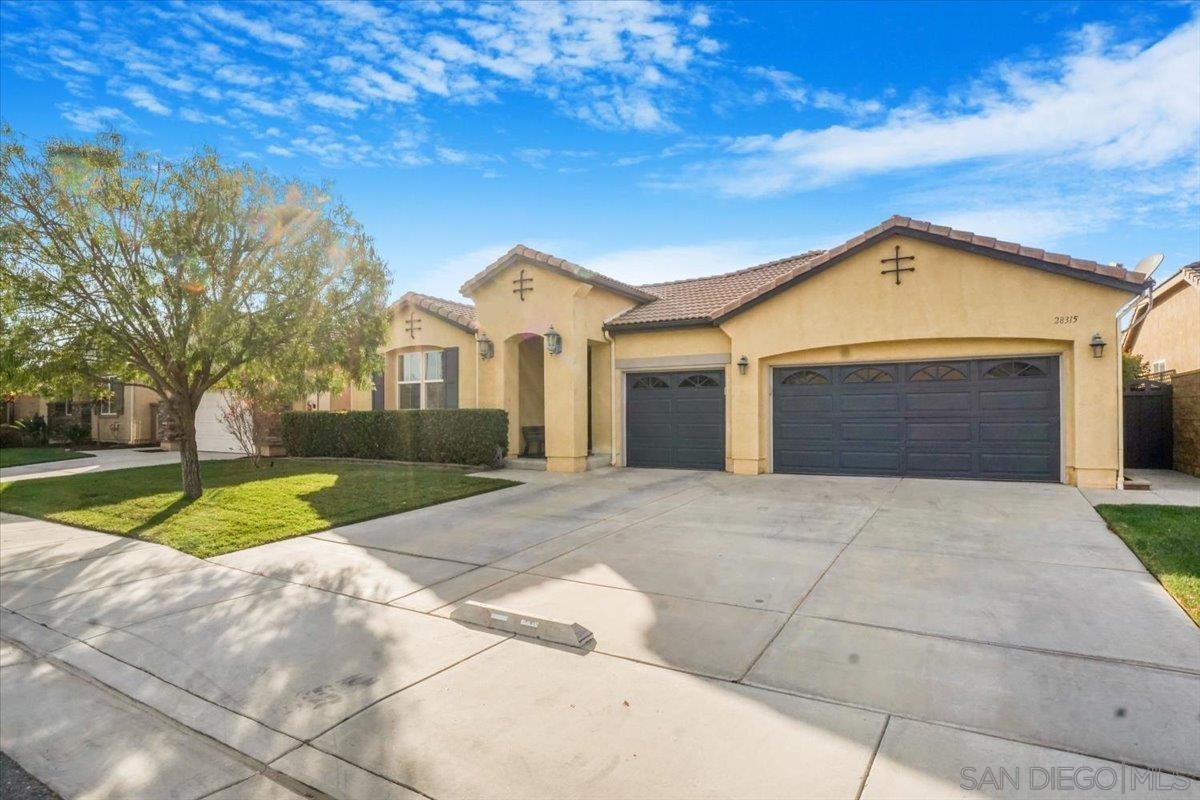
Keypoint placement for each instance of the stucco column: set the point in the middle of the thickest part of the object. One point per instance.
(742, 405)
(508, 353)
(1096, 457)
(566, 392)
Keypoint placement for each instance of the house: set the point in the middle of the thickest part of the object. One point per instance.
(1165, 326)
(911, 349)
(129, 415)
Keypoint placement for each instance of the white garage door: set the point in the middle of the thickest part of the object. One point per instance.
(211, 435)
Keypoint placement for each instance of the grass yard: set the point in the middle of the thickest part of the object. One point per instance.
(1167, 540)
(20, 456)
(241, 506)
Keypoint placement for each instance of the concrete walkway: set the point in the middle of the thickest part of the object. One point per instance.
(777, 636)
(1167, 488)
(103, 461)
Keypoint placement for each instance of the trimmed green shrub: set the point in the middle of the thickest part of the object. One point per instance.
(437, 436)
(11, 437)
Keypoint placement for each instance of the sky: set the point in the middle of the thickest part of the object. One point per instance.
(652, 141)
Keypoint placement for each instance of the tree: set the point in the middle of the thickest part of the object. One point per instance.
(1133, 368)
(178, 276)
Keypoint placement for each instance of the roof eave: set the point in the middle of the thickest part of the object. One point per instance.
(654, 325)
(492, 270)
(739, 306)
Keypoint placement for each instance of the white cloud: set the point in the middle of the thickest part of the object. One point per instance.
(276, 150)
(201, 118)
(143, 98)
(342, 106)
(96, 119)
(258, 28)
(1103, 106)
(242, 75)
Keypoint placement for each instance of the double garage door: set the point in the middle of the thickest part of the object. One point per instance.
(967, 418)
(982, 418)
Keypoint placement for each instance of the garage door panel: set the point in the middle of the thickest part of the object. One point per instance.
(940, 432)
(858, 403)
(981, 418)
(1015, 400)
(872, 431)
(991, 432)
(938, 401)
(958, 464)
(806, 404)
(873, 461)
(675, 419)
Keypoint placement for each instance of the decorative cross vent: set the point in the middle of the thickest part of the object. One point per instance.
(523, 285)
(411, 325)
(897, 269)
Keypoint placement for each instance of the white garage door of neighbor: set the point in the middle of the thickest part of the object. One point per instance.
(211, 434)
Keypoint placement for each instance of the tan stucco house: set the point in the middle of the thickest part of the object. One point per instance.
(911, 349)
(127, 415)
(1165, 326)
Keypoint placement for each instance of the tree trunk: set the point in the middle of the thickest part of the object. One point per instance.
(189, 458)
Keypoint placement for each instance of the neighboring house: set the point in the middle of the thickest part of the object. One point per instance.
(128, 416)
(974, 360)
(1165, 327)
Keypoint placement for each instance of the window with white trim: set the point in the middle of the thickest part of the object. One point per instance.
(107, 405)
(420, 380)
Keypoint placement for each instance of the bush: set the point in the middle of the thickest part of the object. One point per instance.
(78, 434)
(11, 437)
(437, 436)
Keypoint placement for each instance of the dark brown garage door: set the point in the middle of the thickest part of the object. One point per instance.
(983, 418)
(675, 419)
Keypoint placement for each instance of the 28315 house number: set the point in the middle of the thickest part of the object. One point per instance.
(1069, 319)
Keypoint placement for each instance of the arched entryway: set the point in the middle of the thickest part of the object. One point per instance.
(525, 395)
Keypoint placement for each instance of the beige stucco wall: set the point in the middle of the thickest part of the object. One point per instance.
(434, 333)
(134, 425)
(577, 310)
(1185, 413)
(1171, 331)
(954, 304)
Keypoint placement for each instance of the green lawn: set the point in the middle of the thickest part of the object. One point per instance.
(20, 456)
(241, 506)
(1167, 540)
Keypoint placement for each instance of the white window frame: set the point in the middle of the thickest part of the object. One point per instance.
(104, 406)
(422, 380)
(1159, 366)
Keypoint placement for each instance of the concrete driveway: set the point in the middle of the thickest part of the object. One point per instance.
(777, 636)
(101, 461)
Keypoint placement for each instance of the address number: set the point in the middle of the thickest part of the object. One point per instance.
(1067, 320)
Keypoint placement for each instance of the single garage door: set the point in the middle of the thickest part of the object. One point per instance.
(211, 434)
(979, 418)
(675, 419)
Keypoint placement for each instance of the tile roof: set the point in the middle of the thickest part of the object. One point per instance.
(459, 314)
(695, 299)
(557, 264)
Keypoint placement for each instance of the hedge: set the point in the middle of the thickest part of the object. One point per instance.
(440, 436)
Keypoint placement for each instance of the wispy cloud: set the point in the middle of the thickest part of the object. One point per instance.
(1106, 104)
(92, 120)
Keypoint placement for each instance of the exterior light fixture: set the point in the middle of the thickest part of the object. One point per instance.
(486, 348)
(1098, 346)
(553, 341)
(743, 363)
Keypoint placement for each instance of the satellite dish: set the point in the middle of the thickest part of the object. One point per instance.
(1148, 264)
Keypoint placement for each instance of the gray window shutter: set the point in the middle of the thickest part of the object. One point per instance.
(450, 376)
(118, 401)
(377, 391)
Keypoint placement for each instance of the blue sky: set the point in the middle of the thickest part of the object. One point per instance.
(654, 141)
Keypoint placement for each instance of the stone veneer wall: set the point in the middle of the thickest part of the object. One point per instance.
(1185, 411)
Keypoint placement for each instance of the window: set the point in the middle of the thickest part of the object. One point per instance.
(938, 372)
(421, 383)
(1157, 367)
(805, 377)
(698, 381)
(1015, 369)
(111, 405)
(868, 375)
(649, 382)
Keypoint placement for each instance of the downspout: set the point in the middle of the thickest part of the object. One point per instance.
(612, 398)
(1149, 295)
(478, 368)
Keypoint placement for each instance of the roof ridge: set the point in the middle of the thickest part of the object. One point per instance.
(438, 299)
(586, 274)
(805, 255)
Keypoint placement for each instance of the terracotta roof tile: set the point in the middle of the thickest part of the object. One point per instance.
(696, 298)
(554, 262)
(460, 314)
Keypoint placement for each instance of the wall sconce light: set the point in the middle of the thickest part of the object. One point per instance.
(743, 363)
(1098, 346)
(486, 348)
(553, 342)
